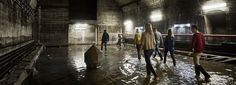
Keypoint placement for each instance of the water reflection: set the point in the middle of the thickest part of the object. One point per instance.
(76, 57)
(122, 67)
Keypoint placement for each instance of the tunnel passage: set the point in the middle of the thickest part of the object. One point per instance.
(60, 29)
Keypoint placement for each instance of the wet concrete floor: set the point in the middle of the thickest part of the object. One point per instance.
(65, 66)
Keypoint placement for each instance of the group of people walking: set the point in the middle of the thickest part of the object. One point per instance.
(151, 40)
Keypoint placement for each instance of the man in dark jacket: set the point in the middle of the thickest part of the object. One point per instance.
(198, 44)
(105, 39)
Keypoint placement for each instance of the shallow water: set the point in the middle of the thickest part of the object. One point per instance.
(65, 66)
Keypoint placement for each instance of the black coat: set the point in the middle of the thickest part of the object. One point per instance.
(105, 37)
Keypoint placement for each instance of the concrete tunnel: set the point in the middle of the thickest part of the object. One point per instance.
(44, 42)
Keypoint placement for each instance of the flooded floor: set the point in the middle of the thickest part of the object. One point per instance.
(65, 66)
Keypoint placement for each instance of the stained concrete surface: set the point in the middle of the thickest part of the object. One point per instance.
(65, 66)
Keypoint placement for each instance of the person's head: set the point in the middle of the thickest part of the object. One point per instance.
(154, 29)
(137, 31)
(194, 28)
(105, 30)
(148, 28)
(169, 32)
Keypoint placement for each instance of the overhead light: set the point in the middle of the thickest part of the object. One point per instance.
(182, 25)
(215, 6)
(156, 15)
(128, 26)
(81, 26)
(128, 22)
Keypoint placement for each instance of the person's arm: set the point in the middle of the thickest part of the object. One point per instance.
(142, 40)
(165, 42)
(154, 40)
(161, 41)
(174, 42)
(135, 38)
(102, 36)
(108, 37)
(193, 42)
(155, 35)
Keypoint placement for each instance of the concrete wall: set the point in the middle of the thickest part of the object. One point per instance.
(54, 22)
(174, 11)
(231, 18)
(109, 17)
(15, 24)
(179, 12)
(82, 35)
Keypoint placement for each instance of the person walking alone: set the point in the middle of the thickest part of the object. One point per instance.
(105, 39)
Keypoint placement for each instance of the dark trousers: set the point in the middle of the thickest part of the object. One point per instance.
(119, 42)
(172, 55)
(138, 47)
(157, 51)
(147, 54)
(198, 69)
(105, 43)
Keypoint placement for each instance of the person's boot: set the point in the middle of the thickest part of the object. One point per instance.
(161, 57)
(207, 76)
(174, 63)
(197, 72)
(139, 57)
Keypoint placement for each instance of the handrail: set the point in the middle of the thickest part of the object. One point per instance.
(205, 35)
(12, 57)
(11, 48)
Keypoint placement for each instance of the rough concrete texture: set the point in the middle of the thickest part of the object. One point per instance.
(93, 57)
(15, 24)
(173, 12)
(54, 22)
(109, 17)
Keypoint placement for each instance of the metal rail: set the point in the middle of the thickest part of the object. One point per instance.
(9, 60)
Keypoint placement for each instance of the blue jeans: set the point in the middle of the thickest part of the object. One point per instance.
(157, 51)
(147, 54)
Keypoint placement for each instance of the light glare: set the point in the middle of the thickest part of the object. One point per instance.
(216, 6)
(156, 16)
(81, 26)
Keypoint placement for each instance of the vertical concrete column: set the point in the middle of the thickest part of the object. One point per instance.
(208, 28)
